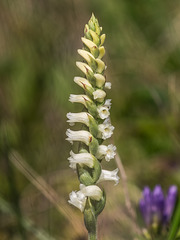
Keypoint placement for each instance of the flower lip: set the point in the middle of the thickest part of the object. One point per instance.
(106, 130)
(106, 151)
(78, 199)
(103, 112)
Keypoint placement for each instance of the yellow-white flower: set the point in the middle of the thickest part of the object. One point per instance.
(100, 80)
(82, 117)
(81, 158)
(109, 176)
(86, 55)
(82, 136)
(82, 82)
(108, 152)
(99, 95)
(79, 99)
(85, 68)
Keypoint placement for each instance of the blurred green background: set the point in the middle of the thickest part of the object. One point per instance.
(38, 50)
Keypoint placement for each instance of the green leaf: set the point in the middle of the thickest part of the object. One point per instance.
(175, 224)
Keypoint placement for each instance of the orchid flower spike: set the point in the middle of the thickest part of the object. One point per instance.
(96, 127)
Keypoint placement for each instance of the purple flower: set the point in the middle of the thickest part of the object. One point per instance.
(155, 207)
(170, 203)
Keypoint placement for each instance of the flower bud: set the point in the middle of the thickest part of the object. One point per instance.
(108, 85)
(99, 95)
(95, 37)
(100, 66)
(101, 52)
(85, 84)
(103, 37)
(88, 43)
(84, 67)
(100, 80)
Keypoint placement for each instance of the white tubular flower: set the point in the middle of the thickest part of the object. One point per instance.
(81, 158)
(108, 85)
(109, 176)
(78, 199)
(103, 112)
(82, 117)
(106, 151)
(106, 130)
(82, 82)
(82, 136)
(92, 191)
(84, 67)
(99, 95)
(79, 99)
(100, 80)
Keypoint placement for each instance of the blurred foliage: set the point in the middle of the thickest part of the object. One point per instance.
(38, 45)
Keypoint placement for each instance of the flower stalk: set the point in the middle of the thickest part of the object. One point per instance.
(90, 199)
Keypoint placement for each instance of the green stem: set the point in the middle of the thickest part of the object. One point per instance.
(92, 236)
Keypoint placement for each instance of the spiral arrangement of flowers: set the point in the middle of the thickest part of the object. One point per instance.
(96, 127)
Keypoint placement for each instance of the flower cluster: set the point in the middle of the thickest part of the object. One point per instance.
(156, 208)
(95, 121)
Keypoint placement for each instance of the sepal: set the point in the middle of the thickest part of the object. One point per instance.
(99, 205)
(93, 146)
(90, 217)
(89, 176)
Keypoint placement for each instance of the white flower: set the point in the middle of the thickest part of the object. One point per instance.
(82, 136)
(100, 80)
(106, 151)
(108, 85)
(108, 103)
(79, 99)
(82, 82)
(85, 68)
(78, 199)
(92, 191)
(103, 112)
(99, 95)
(109, 176)
(81, 158)
(82, 117)
(106, 130)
